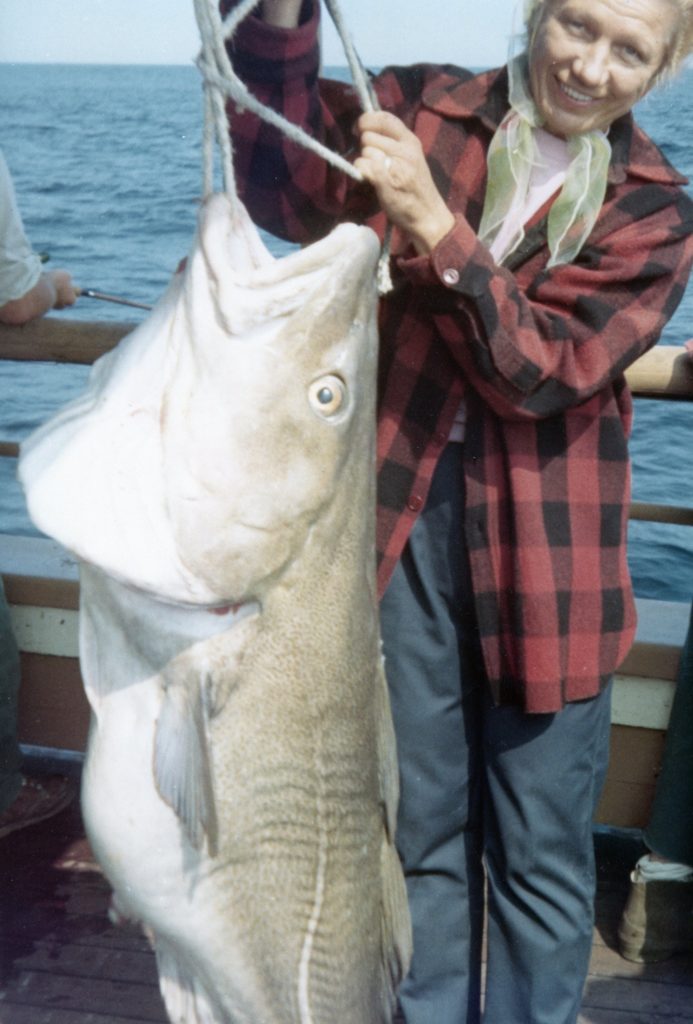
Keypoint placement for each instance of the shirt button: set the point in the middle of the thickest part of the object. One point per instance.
(415, 502)
(450, 275)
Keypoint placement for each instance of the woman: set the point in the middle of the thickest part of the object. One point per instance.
(538, 250)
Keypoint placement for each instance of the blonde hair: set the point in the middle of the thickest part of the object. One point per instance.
(679, 48)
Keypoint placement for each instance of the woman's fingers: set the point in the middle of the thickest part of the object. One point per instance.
(381, 122)
(392, 160)
(374, 162)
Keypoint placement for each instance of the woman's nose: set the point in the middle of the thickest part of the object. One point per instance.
(591, 65)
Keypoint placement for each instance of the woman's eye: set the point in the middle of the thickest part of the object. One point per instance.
(327, 395)
(577, 26)
(632, 55)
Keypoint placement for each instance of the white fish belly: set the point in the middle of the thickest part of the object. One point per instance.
(158, 878)
(136, 837)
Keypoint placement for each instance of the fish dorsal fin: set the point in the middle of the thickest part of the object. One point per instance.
(182, 757)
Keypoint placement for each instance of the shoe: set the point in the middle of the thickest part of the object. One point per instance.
(37, 800)
(657, 921)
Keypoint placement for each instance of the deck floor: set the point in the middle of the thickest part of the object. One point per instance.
(62, 962)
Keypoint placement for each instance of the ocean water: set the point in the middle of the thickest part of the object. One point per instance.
(106, 162)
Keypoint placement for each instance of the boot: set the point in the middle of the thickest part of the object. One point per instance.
(657, 920)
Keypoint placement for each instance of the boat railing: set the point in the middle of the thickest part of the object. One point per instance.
(41, 583)
(665, 372)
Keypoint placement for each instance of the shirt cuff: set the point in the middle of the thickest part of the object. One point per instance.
(459, 262)
(18, 276)
(461, 271)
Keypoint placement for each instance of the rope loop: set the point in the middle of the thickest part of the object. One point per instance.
(221, 83)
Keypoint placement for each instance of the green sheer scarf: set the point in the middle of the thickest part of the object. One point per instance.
(513, 154)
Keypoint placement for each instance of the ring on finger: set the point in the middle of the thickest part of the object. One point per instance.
(388, 163)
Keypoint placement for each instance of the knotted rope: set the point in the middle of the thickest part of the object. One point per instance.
(221, 83)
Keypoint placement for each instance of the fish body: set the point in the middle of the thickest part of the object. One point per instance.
(216, 481)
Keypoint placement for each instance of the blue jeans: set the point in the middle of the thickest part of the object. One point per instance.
(489, 796)
(10, 777)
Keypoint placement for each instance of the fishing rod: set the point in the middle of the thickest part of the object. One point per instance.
(91, 293)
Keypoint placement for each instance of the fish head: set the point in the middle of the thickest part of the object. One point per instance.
(216, 438)
(268, 412)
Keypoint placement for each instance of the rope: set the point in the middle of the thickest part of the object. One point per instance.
(221, 82)
(362, 83)
(369, 102)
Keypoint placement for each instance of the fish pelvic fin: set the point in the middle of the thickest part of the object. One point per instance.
(184, 998)
(182, 754)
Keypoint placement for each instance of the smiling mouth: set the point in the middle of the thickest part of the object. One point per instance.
(575, 96)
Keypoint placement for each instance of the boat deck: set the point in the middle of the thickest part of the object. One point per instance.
(62, 962)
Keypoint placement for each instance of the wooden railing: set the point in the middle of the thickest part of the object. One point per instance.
(60, 340)
(41, 584)
(665, 372)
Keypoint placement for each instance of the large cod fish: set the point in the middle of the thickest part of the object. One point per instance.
(216, 482)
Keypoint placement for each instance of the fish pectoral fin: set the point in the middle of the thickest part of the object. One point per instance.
(182, 757)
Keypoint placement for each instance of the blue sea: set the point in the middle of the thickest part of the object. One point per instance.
(107, 165)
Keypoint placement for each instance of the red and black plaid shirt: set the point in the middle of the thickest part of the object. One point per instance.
(538, 355)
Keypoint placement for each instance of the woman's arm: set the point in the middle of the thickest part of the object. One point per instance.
(289, 191)
(534, 342)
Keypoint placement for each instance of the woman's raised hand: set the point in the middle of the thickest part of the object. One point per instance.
(393, 161)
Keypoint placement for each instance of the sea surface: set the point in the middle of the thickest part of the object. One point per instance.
(107, 166)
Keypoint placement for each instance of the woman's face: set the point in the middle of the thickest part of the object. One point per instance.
(591, 60)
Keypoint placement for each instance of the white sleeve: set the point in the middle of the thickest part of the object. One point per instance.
(20, 267)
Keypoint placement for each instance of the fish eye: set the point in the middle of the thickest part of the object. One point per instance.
(327, 395)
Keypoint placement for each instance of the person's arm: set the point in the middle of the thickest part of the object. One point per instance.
(534, 342)
(280, 65)
(53, 290)
(290, 191)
